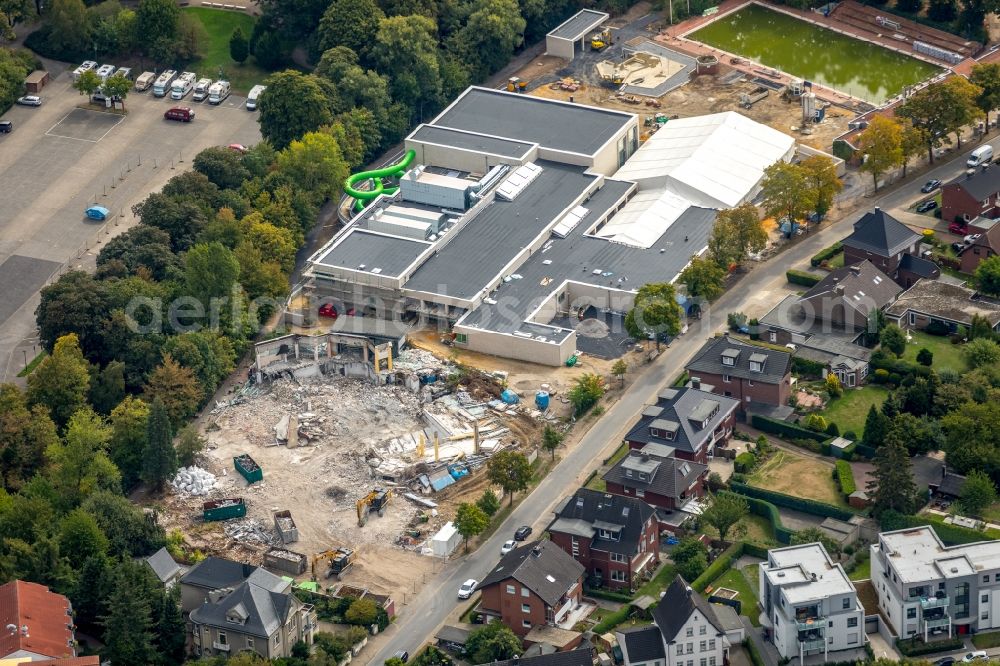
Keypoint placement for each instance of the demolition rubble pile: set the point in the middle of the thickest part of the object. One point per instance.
(250, 530)
(193, 480)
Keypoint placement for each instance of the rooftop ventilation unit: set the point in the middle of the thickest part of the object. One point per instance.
(518, 181)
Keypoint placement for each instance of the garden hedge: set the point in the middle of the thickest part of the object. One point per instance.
(826, 253)
(765, 509)
(612, 620)
(845, 477)
(791, 502)
(911, 647)
(802, 278)
(786, 430)
(805, 367)
(864, 451)
(716, 568)
(754, 653)
(952, 535)
(606, 595)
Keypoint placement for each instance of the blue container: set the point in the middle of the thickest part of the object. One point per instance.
(509, 397)
(542, 400)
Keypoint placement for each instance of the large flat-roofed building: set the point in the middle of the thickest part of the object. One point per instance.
(498, 231)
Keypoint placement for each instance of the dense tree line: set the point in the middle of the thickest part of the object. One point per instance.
(15, 64)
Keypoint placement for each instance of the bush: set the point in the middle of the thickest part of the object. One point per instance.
(826, 253)
(755, 658)
(790, 501)
(851, 435)
(607, 595)
(612, 620)
(802, 278)
(845, 477)
(912, 647)
(718, 567)
(881, 376)
(864, 451)
(806, 368)
(832, 429)
(937, 327)
(816, 423)
(787, 430)
(765, 509)
(745, 462)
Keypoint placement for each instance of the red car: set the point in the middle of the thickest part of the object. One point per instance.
(181, 113)
(327, 310)
(957, 228)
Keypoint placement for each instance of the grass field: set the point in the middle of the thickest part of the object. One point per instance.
(758, 530)
(797, 475)
(734, 580)
(946, 355)
(863, 571)
(850, 410)
(219, 25)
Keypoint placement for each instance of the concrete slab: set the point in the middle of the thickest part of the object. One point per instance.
(85, 125)
(21, 277)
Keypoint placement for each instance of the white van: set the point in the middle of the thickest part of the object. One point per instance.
(981, 155)
(254, 95)
(182, 85)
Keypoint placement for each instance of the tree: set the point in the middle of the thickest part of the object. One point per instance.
(159, 459)
(117, 87)
(79, 465)
(61, 380)
(25, 434)
(703, 278)
(961, 97)
(69, 26)
(816, 422)
(587, 389)
(488, 502)
(551, 439)
(816, 535)
(882, 145)
(293, 105)
(493, 30)
(407, 47)
(158, 21)
(981, 352)
(315, 163)
(493, 642)
(987, 276)
(979, 327)
(176, 387)
(222, 166)
(912, 143)
(940, 109)
(619, 369)
(88, 83)
(893, 339)
(785, 192)
(925, 357)
(189, 445)
(75, 303)
(725, 511)
(736, 233)
(182, 220)
(239, 48)
(943, 11)
(81, 536)
(362, 612)
(655, 312)
(107, 386)
(210, 271)
(128, 438)
(128, 624)
(207, 353)
(891, 486)
(129, 530)
(987, 77)
(691, 557)
(363, 17)
(470, 521)
(978, 492)
(822, 181)
(509, 470)
(833, 386)
(170, 627)
(877, 427)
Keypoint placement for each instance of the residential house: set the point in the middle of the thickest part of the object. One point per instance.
(891, 246)
(615, 538)
(686, 631)
(258, 615)
(212, 573)
(925, 587)
(943, 305)
(689, 421)
(757, 377)
(165, 567)
(984, 247)
(533, 585)
(809, 605)
(583, 656)
(39, 623)
(656, 476)
(971, 195)
(92, 660)
(828, 323)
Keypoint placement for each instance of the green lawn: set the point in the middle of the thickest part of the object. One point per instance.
(734, 580)
(660, 582)
(219, 25)
(836, 261)
(946, 355)
(863, 571)
(849, 410)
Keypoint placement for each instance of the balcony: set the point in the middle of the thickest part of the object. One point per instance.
(813, 644)
(811, 624)
(222, 647)
(937, 623)
(927, 603)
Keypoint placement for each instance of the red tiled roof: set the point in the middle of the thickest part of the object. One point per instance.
(43, 612)
(92, 660)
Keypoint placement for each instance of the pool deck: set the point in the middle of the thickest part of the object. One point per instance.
(675, 37)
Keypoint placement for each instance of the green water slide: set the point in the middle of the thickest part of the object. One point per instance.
(362, 197)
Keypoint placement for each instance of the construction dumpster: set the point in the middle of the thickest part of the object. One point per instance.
(224, 509)
(248, 468)
(286, 526)
(286, 561)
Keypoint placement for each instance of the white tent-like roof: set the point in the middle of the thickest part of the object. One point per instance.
(644, 218)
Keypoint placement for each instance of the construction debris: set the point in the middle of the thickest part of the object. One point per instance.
(250, 530)
(193, 480)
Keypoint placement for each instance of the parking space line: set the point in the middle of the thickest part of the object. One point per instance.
(76, 138)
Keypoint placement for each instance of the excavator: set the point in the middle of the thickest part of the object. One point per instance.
(376, 501)
(340, 559)
(600, 40)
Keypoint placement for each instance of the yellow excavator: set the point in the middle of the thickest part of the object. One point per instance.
(375, 501)
(340, 560)
(600, 40)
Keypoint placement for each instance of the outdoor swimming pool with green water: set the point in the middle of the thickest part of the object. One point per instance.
(814, 53)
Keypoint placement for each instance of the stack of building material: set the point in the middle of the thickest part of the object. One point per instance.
(193, 480)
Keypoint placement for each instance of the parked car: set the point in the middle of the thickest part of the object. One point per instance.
(522, 533)
(508, 546)
(468, 587)
(402, 655)
(959, 228)
(238, 147)
(182, 113)
(930, 204)
(978, 655)
(930, 185)
(30, 100)
(945, 661)
(957, 247)
(6, 126)
(96, 212)
(971, 238)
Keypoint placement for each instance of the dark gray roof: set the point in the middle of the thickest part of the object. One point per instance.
(952, 484)
(163, 565)
(591, 507)
(822, 341)
(578, 657)
(557, 125)
(709, 359)
(680, 405)
(452, 634)
(865, 287)
(641, 644)
(579, 24)
(670, 476)
(392, 254)
(677, 605)
(920, 266)
(260, 608)
(881, 234)
(981, 185)
(481, 143)
(541, 566)
(215, 573)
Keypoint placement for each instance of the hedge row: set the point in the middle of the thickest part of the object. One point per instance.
(827, 253)
(845, 477)
(606, 594)
(754, 653)
(716, 568)
(864, 451)
(805, 367)
(768, 511)
(802, 278)
(612, 620)
(791, 502)
(952, 535)
(911, 647)
(789, 430)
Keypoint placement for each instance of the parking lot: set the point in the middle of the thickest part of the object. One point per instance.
(60, 159)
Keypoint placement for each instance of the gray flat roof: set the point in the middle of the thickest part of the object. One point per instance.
(481, 143)
(557, 125)
(579, 24)
(392, 254)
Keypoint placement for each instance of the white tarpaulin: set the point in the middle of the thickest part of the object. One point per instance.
(445, 541)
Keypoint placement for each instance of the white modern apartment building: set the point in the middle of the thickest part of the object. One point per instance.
(809, 605)
(925, 587)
